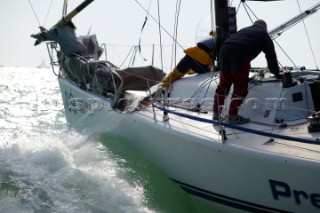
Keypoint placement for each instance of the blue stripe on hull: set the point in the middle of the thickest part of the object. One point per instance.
(227, 201)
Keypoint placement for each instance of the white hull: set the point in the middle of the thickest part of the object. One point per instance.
(242, 174)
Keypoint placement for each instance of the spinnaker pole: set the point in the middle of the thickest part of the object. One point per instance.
(279, 30)
(73, 13)
(69, 16)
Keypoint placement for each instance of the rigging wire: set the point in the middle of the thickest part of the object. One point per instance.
(160, 35)
(49, 9)
(36, 16)
(132, 51)
(143, 25)
(34, 12)
(133, 56)
(285, 53)
(247, 9)
(245, 6)
(307, 34)
(158, 22)
(175, 34)
(212, 74)
(238, 7)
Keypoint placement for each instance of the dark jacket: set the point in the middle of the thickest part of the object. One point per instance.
(207, 45)
(66, 37)
(255, 39)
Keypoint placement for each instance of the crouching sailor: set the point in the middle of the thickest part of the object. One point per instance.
(72, 51)
(198, 59)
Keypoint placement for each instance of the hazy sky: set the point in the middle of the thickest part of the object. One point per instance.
(119, 23)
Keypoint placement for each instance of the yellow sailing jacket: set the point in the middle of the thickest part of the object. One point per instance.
(199, 55)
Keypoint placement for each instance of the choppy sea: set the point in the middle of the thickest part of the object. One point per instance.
(47, 167)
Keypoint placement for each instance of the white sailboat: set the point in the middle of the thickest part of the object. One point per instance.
(271, 164)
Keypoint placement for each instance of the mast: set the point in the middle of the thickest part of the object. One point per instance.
(225, 21)
(219, 6)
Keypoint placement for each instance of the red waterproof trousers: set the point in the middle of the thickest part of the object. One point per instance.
(235, 66)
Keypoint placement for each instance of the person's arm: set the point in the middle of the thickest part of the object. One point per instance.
(45, 35)
(271, 57)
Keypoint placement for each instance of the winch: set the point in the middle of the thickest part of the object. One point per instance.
(314, 120)
(287, 80)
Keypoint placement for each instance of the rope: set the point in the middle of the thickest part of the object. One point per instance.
(158, 22)
(160, 35)
(132, 51)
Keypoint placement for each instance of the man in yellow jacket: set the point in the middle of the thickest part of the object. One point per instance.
(198, 59)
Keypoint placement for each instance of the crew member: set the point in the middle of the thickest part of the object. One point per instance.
(71, 51)
(234, 59)
(197, 59)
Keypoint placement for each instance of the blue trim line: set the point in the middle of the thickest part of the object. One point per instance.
(228, 201)
(267, 134)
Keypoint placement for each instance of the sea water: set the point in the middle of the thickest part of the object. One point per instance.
(47, 167)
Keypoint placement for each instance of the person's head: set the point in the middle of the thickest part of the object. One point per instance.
(261, 23)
